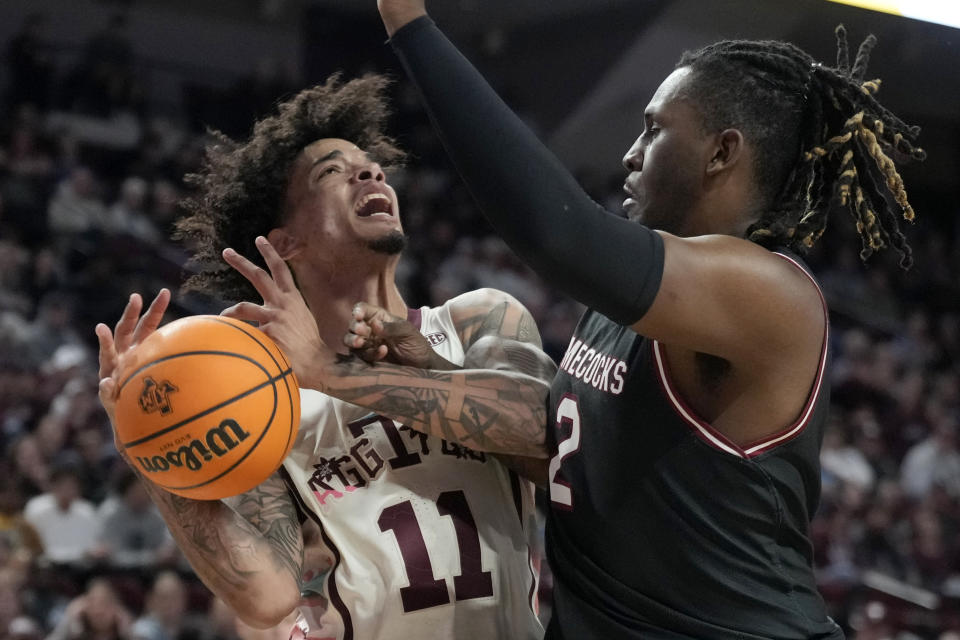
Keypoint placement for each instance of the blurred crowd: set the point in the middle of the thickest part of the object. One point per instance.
(90, 180)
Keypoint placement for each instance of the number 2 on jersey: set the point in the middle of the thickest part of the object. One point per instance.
(568, 412)
(424, 590)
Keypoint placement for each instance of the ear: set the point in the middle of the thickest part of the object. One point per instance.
(727, 151)
(286, 244)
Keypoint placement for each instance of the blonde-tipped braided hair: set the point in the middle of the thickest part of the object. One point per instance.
(824, 141)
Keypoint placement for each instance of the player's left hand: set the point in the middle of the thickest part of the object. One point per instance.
(375, 334)
(283, 315)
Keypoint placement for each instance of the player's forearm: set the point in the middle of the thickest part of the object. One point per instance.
(486, 410)
(233, 558)
(598, 258)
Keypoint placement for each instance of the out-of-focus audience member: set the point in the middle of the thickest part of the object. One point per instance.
(97, 614)
(934, 461)
(166, 612)
(132, 533)
(66, 523)
(76, 206)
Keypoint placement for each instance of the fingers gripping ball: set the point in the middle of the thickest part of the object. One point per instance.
(209, 408)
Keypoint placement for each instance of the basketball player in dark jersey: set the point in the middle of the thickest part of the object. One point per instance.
(688, 412)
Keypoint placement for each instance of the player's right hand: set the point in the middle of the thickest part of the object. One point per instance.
(116, 347)
(396, 13)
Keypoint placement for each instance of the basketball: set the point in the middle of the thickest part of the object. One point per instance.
(209, 408)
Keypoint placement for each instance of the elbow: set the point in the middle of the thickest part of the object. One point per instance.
(267, 610)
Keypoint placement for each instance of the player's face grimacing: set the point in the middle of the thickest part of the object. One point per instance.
(666, 163)
(339, 199)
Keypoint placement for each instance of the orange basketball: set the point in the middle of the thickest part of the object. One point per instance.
(209, 408)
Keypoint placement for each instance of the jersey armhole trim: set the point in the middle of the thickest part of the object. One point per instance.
(701, 427)
(765, 444)
(714, 438)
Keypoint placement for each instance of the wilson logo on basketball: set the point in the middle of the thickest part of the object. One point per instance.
(156, 396)
(218, 442)
(436, 338)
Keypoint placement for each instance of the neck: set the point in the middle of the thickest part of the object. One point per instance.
(727, 214)
(331, 296)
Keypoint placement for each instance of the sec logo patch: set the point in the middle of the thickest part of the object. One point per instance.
(436, 338)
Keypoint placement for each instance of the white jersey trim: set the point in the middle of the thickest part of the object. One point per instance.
(708, 433)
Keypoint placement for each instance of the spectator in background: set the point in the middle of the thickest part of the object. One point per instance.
(933, 550)
(166, 203)
(934, 460)
(165, 617)
(76, 206)
(13, 261)
(840, 462)
(54, 325)
(26, 171)
(20, 541)
(222, 621)
(128, 214)
(66, 523)
(47, 273)
(95, 457)
(132, 533)
(31, 473)
(95, 615)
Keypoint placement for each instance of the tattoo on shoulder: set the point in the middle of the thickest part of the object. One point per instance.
(527, 330)
(511, 322)
(492, 324)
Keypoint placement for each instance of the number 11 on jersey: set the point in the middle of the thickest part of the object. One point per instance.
(424, 591)
(568, 418)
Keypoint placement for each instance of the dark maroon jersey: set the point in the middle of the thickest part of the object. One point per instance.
(662, 528)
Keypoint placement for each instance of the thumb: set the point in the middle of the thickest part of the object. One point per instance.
(108, 394)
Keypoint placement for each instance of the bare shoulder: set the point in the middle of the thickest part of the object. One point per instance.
(491, 312)
(732, 298)
(479, 301)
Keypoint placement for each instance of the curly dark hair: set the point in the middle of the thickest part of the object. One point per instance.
(823, 140)
(241, 188)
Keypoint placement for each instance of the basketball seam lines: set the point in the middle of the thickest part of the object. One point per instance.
(209, 352)
(172, 427)
(286, 381)
(273, 414)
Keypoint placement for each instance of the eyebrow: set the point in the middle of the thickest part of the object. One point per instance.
(336, 153)
(330, 156)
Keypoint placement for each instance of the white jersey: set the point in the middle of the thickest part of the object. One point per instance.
(422, 538)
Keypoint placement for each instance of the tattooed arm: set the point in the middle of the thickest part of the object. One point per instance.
(503, 336)
(495, 402)
(249, 555)
(487, 410)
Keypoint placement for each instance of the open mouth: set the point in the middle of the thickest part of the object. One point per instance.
(374, 204)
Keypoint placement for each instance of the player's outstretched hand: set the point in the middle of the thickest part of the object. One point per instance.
(375, 334)
(396, 13)
(117, 347)
(283, 315)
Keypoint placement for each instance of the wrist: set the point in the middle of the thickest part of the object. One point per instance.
(398, 17)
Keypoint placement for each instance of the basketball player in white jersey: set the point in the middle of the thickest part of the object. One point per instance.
(399, 534)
